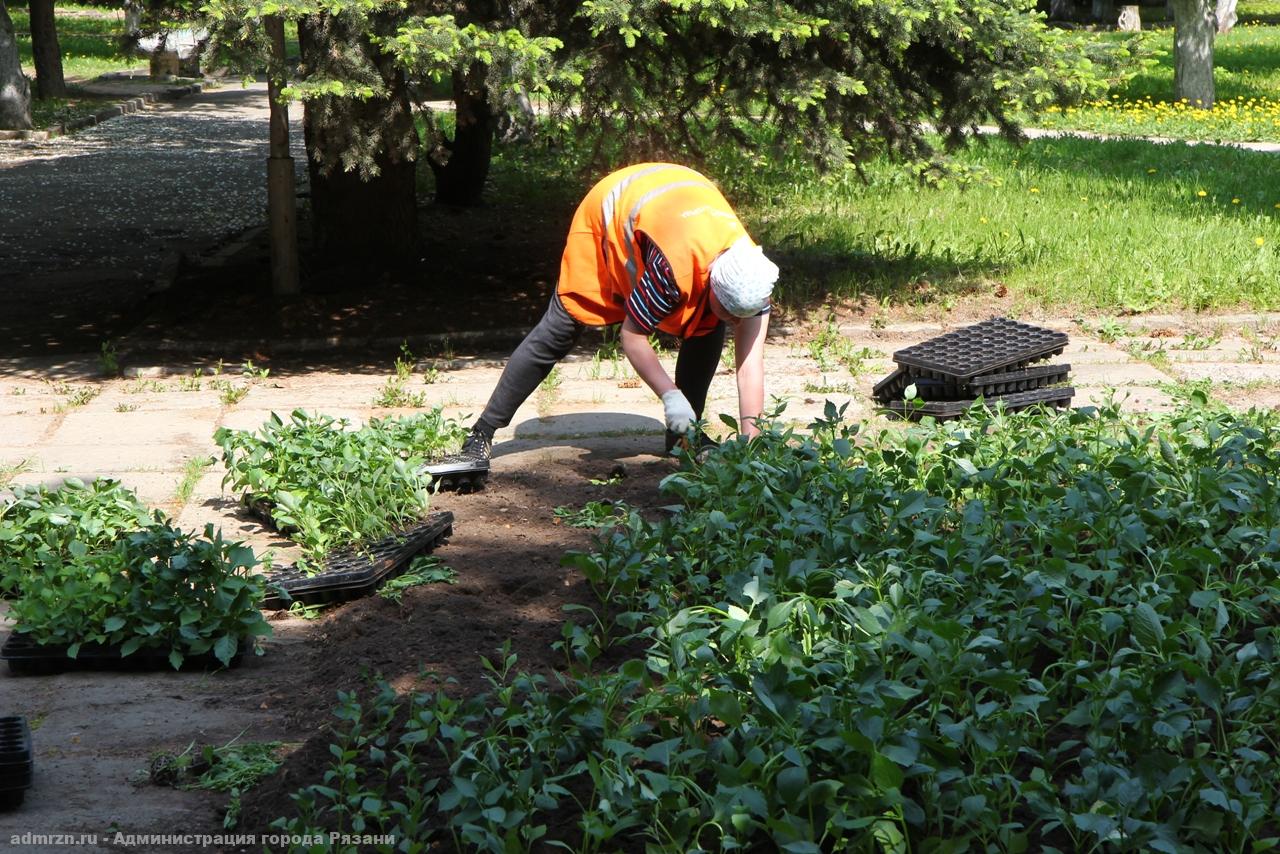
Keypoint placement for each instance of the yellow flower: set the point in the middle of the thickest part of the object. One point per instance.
(982, 219)
(1258, 241)
(1034, 190)
(1151, 171)
(1235, 201)
(1201, 193)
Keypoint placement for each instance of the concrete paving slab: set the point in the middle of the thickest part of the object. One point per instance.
(1117, 374)
(90, 459)
(26, 429)
(108, 427)
(1236, 372)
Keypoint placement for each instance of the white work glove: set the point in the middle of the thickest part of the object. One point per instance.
(680, 416)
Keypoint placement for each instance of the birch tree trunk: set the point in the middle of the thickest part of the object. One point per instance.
(1226, 15)
(1194, 24)
(15, 94)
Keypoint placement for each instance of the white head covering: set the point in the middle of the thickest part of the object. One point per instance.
(743, 278)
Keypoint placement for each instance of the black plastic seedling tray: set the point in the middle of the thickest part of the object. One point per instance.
(982, 348)
(1012, 382)
(1058, 396)
(352, 573)
(25, 656)
(16, 761)
(452, 474)
(927, 388)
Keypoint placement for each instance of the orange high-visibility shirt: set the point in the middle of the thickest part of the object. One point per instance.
(681, 211)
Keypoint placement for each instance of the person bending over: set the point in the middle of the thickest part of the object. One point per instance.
(654, 246)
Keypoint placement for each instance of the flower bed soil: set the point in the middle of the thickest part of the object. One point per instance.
(506, 550)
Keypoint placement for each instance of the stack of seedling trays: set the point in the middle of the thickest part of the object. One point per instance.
(998, 360)
(350, 572)
(15, 761)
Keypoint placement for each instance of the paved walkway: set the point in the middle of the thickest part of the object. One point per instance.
(88, 221)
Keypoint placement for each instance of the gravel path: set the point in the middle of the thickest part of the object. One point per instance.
(88, 220)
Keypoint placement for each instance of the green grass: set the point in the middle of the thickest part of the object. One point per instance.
(1246, 80)
(90, 45)
(1068, 223)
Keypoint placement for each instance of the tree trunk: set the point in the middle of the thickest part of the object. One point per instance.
(1129, 19)
(1193, 28)
(45, 50)
(360, 156)
(462, 166)
(1104, 11)
(1226, 15)
(15, 94)
(1061, 10)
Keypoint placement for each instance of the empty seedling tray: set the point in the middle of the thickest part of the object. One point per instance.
(1058, 397)
(927, 388)
(354, 572)
(1012, 382)
(25, 656)
(982, 348)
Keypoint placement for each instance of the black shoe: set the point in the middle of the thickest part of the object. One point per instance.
(465, 470)
(703, 443)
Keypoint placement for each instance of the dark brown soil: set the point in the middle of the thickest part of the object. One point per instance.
(506, 550)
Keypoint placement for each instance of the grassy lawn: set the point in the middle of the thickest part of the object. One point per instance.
(1062, 224)
(56, 111)
(89, 38)
(1246, 77)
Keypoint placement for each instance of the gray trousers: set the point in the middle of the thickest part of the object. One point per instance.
(552, 339)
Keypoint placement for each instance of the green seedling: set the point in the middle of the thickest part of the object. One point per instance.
(334, 487)
(424, 569)
(593, 514)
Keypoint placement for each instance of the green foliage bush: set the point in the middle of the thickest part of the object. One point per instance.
(1048, 632)
(158, 589)
(90, 564)
(332, 486)
(39, 524)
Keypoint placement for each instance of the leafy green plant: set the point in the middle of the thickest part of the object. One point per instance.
(251, 371)
(39, 524)
(233, 768)
(1031, 631)
(423, 569)
(593, 514)
(157, 589)
(331, 486)
(109, 359)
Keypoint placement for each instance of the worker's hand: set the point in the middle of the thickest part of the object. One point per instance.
(680, 416)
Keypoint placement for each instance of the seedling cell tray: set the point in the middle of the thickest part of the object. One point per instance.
(461, 475)
(1059, 396)
(260, 508)
(1011, 382)
(982, 348)
(15, 760)
(927, 388)
(25, 656)
(354, 572)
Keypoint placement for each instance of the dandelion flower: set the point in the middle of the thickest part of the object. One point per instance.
(1151, 171)
(1258, 241)
(1034, 190)
(982, 219)
(1201, 193)
(1235, 201)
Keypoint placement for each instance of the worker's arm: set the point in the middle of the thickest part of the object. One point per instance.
(748, 345)
(635, 344)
